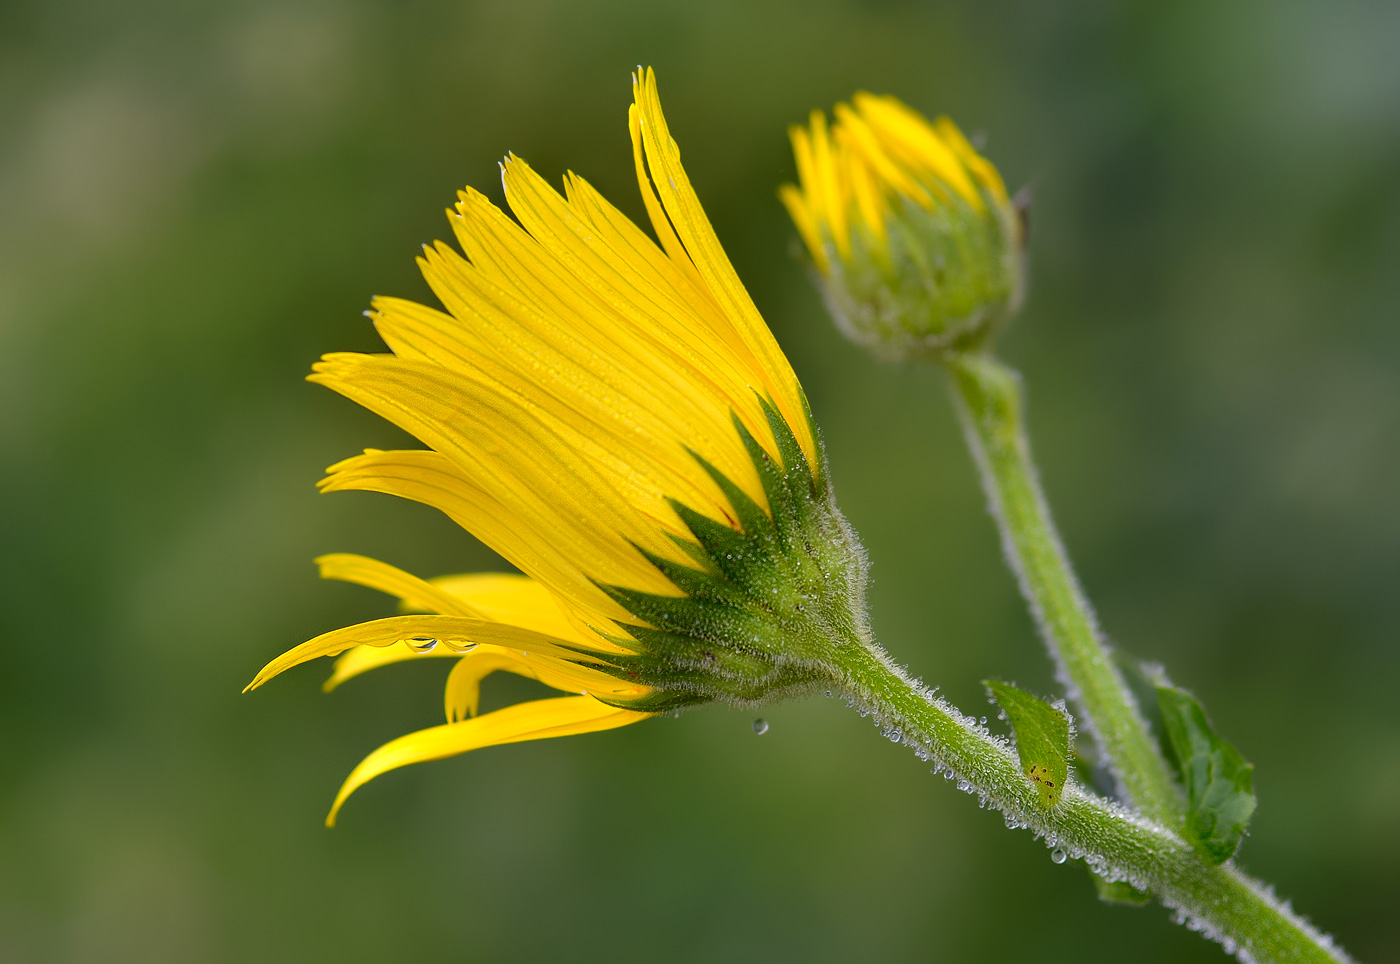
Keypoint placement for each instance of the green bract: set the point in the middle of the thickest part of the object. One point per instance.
(767, 607)
(946, 278)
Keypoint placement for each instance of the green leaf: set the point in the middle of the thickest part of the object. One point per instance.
(1120, 892)
(1219, 783)
(1042, 738)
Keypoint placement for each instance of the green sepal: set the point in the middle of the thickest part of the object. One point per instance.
(1219, 783)
(767, 594)
(1119, 892)
(941, 279)
(1042, 738)
(746, 559)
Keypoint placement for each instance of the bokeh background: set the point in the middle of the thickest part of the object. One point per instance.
(198, 199)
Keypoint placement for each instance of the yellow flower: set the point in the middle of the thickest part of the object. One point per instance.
(615, 419)
(917, 244)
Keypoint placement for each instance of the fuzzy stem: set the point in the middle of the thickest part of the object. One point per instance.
(1218, 901)
(989, 400)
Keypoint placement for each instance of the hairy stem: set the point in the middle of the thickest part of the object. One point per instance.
(1118, 844)
(989, 402)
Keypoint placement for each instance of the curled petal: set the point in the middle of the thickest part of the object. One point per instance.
(459, 631)
(463, 693)
(541, 719)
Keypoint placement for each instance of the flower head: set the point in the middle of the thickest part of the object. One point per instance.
(615, 419)
(918, 247)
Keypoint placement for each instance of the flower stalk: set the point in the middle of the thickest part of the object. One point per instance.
(989, 402)
(920, 255)
(1220, 902)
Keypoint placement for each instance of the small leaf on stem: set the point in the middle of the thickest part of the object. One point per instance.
(1219, 783)
(1042, 738)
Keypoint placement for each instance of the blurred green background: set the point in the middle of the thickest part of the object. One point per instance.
(198, 199)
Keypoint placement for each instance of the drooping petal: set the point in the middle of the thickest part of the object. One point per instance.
(461, 697)
(540, 719)
(483, 660)
(363, 658)
(509, 599)
(463, 692)
(453, 631)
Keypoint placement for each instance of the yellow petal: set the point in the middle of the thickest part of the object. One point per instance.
(517, 600)
(680, 288)
(870, 201)
(679, 349)
(656, 213)
(501, 597)
(415, 592)
(459, 631)
(363, 658)
(829, 185)
(431, 479)
(858, 136)
(463, 691)
(565, 486)
(630, 368)
(505, 597)
(908, 135)
(462, 696)
(692, 227)
(982, 169)
(806, 166)
(796, 203)
(524, 721)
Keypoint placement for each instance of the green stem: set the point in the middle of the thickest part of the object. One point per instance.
(1218, 901)
(989, 401)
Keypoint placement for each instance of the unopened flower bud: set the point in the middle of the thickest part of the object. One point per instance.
(919, 249)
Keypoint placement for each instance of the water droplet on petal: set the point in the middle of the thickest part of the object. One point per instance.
(1058, 855)
(760, 726)
(422, 644)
